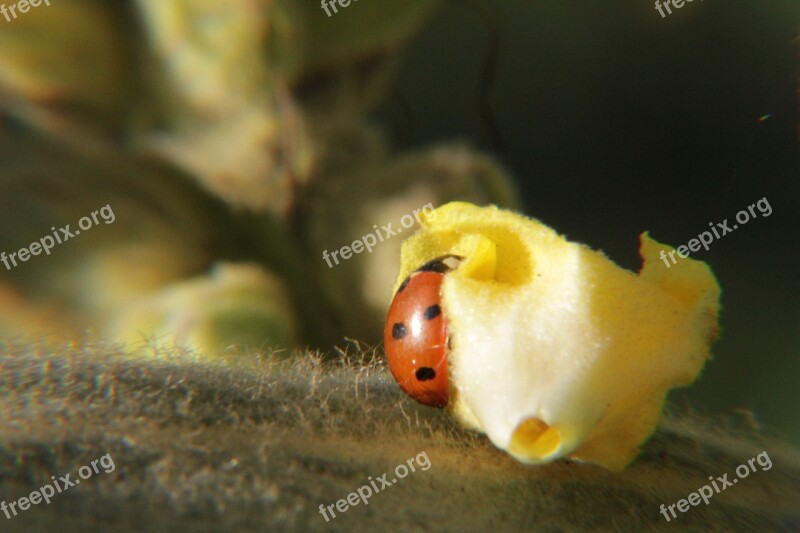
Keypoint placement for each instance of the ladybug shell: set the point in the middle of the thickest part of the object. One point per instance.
(415, 339)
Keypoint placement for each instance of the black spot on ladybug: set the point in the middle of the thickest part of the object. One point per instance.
(403, 285)
(442, 265)
(425, 373)
(432, 312)
(398, 331)
(437, 265)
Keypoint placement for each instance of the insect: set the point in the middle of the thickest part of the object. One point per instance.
(415, 335)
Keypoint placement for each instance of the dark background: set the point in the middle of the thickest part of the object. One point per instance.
(614, 120)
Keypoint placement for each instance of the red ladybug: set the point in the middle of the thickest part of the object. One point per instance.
(415, 335)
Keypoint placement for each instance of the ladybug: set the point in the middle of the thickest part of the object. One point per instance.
(415, 336)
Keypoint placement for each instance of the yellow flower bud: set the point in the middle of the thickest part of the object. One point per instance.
(555, 350)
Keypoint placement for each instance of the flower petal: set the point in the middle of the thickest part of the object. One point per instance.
(557, 351)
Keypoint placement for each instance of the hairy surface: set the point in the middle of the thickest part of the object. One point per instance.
(260, 445)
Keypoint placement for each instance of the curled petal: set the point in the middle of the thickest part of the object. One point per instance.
(555, 350)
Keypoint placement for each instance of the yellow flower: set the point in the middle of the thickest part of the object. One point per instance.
(555, 350)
